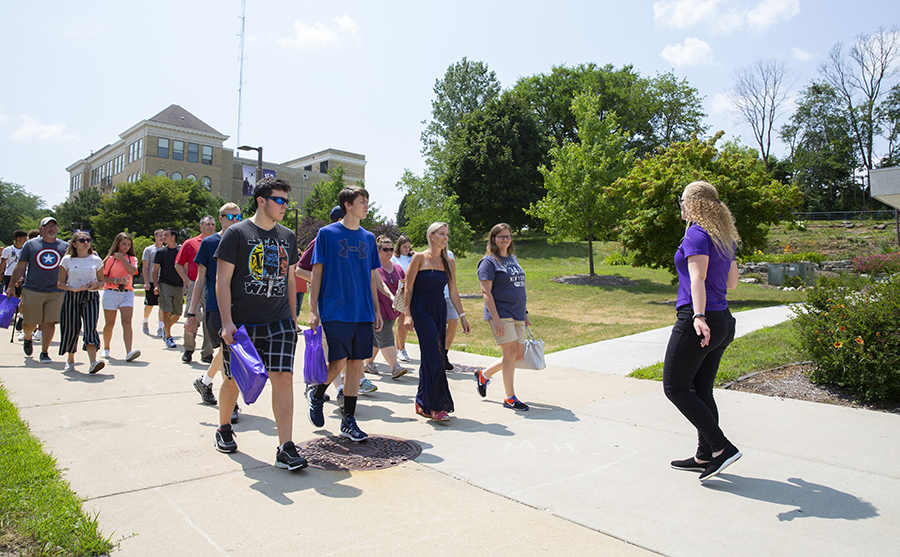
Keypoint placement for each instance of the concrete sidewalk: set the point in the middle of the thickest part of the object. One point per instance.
(585, 471)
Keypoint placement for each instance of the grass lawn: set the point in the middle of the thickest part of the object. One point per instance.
(39, 513)
(763, 349)
(566, 316)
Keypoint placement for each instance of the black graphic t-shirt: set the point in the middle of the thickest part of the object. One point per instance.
(261, 259)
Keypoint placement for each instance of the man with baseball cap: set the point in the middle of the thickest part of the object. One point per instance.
(41, 299)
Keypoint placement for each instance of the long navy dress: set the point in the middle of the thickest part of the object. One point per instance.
(429, 312)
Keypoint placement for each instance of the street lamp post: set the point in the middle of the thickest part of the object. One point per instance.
(259, 164)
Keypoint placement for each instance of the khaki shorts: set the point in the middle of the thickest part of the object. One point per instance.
(512, 331)
(40, 307)
(171, 298)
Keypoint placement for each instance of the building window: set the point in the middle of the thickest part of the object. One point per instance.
(161, 173)
(140, 148)
(308, 168)
(193, 152)
(323, 167)
(162, 148)
(178, 150)
(207, 155)
(206, 182)
(131, 153)
(176, 175)
(191, 177)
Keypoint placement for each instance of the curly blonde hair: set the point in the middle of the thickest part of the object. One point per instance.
(703, 206)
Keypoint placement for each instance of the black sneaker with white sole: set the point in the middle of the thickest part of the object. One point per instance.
(235, 416)
(350, 430)
(721, 462)
(288, 457)
(689, 465)
(45, 358)
(27, 346)
(206, 391)
(225, 442)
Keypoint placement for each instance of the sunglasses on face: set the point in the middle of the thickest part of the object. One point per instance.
(84, 240)
(237, 217)
(386, 249)
(279, 200)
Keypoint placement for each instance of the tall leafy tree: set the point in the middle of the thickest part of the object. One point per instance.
(652, 226)
(577, 204)
(889, 116)
(425, 202)
(325, 197)
(82, 208)
(16, 205)
(759, 97)
(492, 164)
(823, 156)
(676, 110)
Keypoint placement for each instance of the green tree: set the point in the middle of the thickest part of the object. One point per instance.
(492, 164)
(889, 116)
(152, 202)
(427, 202)
(325, 197)
(822, 154)
(402, 216)
(652, 226)
(82, 208)
(578, 204)
(15, 204)
(676, 110)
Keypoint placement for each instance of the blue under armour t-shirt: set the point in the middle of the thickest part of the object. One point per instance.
(348, 258)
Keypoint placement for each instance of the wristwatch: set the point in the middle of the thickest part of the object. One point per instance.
(696, 315)
(189, 314)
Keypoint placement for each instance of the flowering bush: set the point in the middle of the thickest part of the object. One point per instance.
(786, 257)
(848, 327)
(880, 263)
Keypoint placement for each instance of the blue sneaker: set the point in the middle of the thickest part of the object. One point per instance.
(170, 342)
(514, 403)
(316, 413)
(350, 430)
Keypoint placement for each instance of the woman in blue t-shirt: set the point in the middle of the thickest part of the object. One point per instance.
(503, 288)
(706, 269)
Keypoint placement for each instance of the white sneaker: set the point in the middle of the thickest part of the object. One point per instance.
(370, 368)
(160, 331)
(133, 355)
(70, 366)
(36, 335)
(21, 336)
(105, 354)
(402, 355)
(366, 387)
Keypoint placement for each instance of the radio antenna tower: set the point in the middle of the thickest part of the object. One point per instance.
(241, 81)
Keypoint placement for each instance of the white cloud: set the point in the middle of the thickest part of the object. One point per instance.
(3, 117)
(32, 129)
(800, 54)
(693, 52)
(719, 104)
(318, 35)
(723, 16)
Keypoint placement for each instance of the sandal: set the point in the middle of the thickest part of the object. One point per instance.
(440, 416)
(421, 412)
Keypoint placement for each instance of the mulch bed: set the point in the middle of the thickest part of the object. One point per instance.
(792, 381)
(596, 280)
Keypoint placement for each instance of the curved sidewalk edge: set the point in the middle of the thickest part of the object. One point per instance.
(621, 356)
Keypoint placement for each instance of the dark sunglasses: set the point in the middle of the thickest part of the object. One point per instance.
(237, 217)
(279, 200)
(680, 200)
(386, 249)
(84, 240)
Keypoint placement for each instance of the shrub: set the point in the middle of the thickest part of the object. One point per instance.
(848, 327)
(788, 257)
(617, 258)
(880, 263)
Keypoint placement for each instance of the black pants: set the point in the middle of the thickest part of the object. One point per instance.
(689, 373)
(79, 310)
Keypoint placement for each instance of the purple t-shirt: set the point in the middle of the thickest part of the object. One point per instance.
(697, 242)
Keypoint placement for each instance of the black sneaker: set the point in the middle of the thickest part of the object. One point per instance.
(235, 417)
(287, 457)
(350, 430)
(721, 462)
(27, 346)
(187, 356)
(225, 442)
(45, 358)
(689, 465)
(206, 391)
(514, 403)
(19, 322)
(482, 383)
(316, 414)
(207, 359)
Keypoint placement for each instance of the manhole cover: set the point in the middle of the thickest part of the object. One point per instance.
(340, 453)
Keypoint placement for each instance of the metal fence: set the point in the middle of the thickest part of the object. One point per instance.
(881, 214)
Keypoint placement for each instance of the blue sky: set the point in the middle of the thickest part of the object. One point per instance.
(358, 75)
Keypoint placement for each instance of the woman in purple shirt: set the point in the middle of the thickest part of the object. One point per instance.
(706, 268)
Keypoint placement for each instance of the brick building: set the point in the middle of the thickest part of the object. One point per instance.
(177, 144)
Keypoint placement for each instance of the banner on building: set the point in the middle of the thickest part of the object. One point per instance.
(250, 178)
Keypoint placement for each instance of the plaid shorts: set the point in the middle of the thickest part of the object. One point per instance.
(275, 342)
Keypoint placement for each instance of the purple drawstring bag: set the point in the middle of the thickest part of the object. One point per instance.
(247, 368)
(7, 309)
(315, 370)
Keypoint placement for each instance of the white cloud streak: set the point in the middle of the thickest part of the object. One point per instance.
(318, 36)
(3, 117)
(692, 52)
(723, 16)
(31, 129)
(800, 54)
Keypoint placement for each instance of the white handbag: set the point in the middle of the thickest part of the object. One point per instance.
(534, 353)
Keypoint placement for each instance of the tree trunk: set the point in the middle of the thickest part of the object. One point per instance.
(591, 254)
